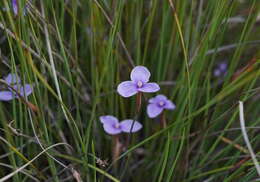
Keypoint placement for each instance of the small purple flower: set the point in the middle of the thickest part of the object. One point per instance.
(158, 104)
(221, 69)
(223, 66)
(139, 83)
(217, 72)
(113, 127)
(15, 7)
(14, 81)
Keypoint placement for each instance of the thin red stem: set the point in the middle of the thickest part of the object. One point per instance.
(116, 147)
(163, 120)
(138, 101)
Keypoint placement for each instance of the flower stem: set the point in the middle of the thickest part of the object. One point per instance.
(163, 120)
(116, 147)
(32, 106)
(138, 101)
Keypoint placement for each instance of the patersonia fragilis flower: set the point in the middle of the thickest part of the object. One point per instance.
(15, 7)
(139, 83)
(14, 81)
(113, 127)
(158, 104)
(221, 69)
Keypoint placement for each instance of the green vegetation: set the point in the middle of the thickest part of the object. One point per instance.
(76, 52)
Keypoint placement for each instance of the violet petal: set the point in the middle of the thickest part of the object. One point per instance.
(6, 95)
(217, 72)
(161, 98)
(140, 73)
(12, 78)
(109, 120)
(127, 89)
(149, 87)
(152, 100)
(110, 129)
(157, 99)
(15, 7)
(153, 110)
(223, 66)
(127, 124)
(169, 105)
(24, 91)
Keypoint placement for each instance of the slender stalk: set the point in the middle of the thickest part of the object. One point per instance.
(116, 147)
(138, 102)
(163, 120)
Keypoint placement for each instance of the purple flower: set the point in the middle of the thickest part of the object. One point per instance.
(139, 83)
(14, 81)
(158, 104)
(113, 127)
(15, 7)
(223, 66)
(221, 69)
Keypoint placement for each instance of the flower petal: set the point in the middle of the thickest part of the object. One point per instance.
(223, 66)
(24, 91)
(110, 129)
(153, 110)
(152, 100)
(157, 99)
(15, 7)
(126, 126)
(169, 105)
(127, 89)
(140, 73)
(108, 120)
(6, 95)
(12, 79)
(149, 87)
(161, 97)
(217, 72)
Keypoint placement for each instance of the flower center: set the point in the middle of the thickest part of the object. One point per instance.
(139, 84)
(161, 103)
(117, 125)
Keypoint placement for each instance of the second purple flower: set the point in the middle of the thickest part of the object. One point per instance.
(158, 104)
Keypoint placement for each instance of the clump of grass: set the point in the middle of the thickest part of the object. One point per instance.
(75, 53)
